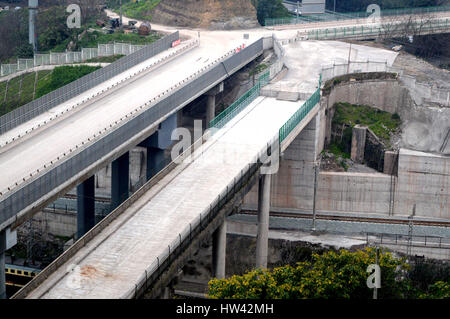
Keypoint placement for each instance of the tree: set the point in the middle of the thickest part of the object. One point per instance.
(266, 9)
(333, 275)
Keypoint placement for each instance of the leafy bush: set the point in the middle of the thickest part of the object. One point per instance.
(333, 275)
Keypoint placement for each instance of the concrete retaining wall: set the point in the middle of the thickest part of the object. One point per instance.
(424, 180)
(354, 192)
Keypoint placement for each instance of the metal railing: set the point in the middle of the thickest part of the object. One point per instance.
(353, 15)
(79, 157)
(56, 58)
(375, 31)
(300, 114)
(65, 93)
(241, 103)
(415, 240)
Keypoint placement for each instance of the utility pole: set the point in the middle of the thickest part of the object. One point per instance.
(377, 258)
(410, 232)
(120, 22)
(349, 56)
(298, 9)
(334, 6)
(316, 173)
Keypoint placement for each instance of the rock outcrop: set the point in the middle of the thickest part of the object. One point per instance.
(211, 14)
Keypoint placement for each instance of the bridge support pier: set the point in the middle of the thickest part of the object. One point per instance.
(155, 161)
(2, 264)
(211, 104)
(120, 179)
(219, 250)
(262, 237)
(86, 206)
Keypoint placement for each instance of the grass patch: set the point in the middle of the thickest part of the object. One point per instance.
(61, 76)
(141, 10)
(382, 123)
(18, 94)
(330, 84)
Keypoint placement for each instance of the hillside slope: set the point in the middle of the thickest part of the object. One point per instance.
(211, 14)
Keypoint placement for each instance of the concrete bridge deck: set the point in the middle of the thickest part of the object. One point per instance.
(112, 262)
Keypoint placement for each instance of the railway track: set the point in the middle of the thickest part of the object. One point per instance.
(352, 218)
(97, 198)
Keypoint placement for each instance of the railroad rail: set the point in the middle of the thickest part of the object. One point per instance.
(378, 220)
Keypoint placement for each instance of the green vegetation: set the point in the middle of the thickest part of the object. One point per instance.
(330, 84)
(258, 69)
(266, 9)
(63, 75)
(141, 10)
(92, 39)
(22, 90)
(332, 275)
(382, 123)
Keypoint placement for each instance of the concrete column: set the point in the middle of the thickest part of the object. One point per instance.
(86, 206)
(358, 143)
(2, 264)
(210, 109)
(155, 161)
(120, 177)
(262, 238)
(211, 104)
(219, 250)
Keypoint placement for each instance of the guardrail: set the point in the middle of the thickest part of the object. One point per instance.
(300, 114)
(79, 157)
(65, 93)
(415, 240)
(375, 31)
(241, 103)
(353, 15)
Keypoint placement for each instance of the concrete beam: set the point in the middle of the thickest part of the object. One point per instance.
(211, 104)
(2, 264)
(262, 238)
(219, 251)
(85, 206)
(120, 179)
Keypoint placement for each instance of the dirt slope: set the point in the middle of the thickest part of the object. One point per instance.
(211, 14)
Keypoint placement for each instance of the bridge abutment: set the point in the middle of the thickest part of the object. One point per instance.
(120, 179)
(85, 206)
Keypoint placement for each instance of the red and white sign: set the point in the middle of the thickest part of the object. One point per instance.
(175, 43)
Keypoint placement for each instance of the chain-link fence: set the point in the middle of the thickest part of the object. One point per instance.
(56, 58)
